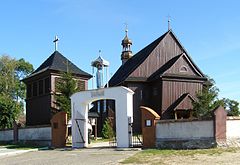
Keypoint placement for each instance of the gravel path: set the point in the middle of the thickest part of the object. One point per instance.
(90, 156)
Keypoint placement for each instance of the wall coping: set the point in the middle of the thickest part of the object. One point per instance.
(233, 117)
(183, 139)
(183, 120)
(27, 127)
(8, 129)
(35, 126)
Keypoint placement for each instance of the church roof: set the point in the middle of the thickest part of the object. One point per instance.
(177, 102)
(130, 65)
(165, 67)
(180, 100)
(169, 64)
(57, 62)
(100, 61)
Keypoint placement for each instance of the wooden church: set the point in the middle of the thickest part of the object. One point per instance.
(40, 102)
(163, 77)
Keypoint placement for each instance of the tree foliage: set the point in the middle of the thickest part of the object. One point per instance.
(231, 106)
(9, 110)
(107, 131)
(206, 100)
(65, 87)
(12, 89)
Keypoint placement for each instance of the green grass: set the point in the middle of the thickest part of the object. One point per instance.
(148, 156)
(100, 140)
(20, 146)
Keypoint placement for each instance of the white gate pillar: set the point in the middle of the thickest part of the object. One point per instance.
(124, 111)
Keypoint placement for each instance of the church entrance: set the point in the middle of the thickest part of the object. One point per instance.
(123, 114)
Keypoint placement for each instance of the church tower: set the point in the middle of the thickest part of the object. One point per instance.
(126, 48)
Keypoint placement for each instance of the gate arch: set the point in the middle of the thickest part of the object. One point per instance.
(124, 114)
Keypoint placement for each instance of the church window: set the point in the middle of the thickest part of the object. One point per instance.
(141, 94)
(58, 80)
(40, 87)
(29, 90)
(183, 69)
(35, 89)
(47, 85)
(155, 91)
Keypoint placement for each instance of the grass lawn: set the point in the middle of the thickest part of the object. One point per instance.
(155, 156)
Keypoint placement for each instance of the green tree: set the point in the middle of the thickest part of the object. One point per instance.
(231, 106)
(206, 100)
(12, 90)
(9, 110)
(107, 131)
(65, 87)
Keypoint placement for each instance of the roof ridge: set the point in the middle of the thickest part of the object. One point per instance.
(166, 66)
(179, 100)
(140, 56)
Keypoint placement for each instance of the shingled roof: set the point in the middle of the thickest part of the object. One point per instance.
(57, 62)
(129, 66)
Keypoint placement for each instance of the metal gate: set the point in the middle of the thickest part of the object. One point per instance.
(136, 140)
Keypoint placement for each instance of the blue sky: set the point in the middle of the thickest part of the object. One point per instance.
(209, 31)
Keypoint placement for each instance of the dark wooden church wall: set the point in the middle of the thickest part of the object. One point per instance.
(155, 101)
(140, 97)
(39, 110)
(172, 90)
(166, 50)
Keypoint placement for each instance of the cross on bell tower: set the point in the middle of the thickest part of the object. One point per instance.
(56, 42)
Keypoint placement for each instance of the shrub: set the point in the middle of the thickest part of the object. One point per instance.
(107, 131)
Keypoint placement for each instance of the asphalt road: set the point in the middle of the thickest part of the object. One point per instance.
(90, 156)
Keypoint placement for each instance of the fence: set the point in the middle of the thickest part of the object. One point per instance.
(6, 135)
(220, 130)
(233, 131)
(40, 135)
(185, 134)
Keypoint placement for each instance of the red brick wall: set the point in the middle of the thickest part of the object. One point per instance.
(220, 117)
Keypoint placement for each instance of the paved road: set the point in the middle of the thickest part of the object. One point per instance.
(90, 156)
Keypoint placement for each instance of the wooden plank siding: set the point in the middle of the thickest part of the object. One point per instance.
(155, 101)
(166, 50)
(182, 67)
(140, 97)
(185, 104)
(172, 90)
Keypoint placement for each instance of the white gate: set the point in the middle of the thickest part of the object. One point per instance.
(124, 110)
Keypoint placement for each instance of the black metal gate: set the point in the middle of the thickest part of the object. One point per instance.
(136, 140)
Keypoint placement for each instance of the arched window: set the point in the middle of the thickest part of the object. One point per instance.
(183, 68)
